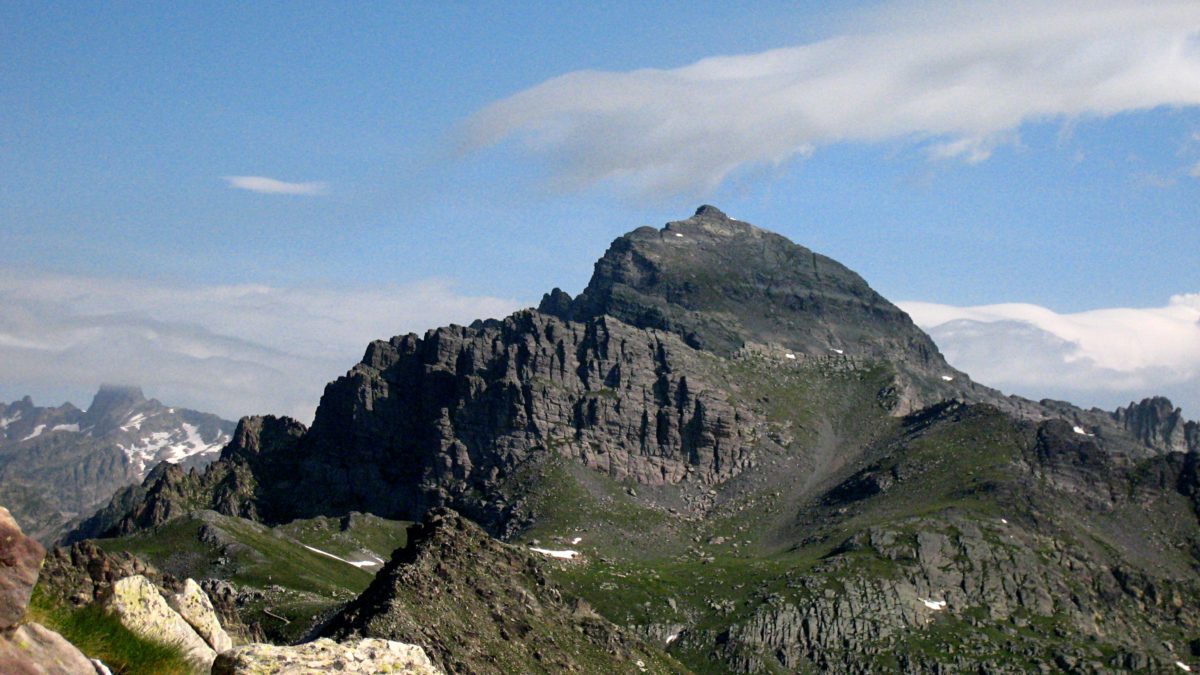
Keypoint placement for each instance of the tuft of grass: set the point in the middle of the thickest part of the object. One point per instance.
(101, 636)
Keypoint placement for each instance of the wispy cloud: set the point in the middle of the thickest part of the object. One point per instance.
(958, 76)
(1194, 172)
(271, 186)
(233, 350)
(1099, 357)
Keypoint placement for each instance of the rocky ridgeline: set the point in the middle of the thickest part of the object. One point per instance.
(486, 607)
(446, 419)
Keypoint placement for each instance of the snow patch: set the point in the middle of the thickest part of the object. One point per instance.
(672, 637)
(65, 427)
(5, 421)
(1081, 431)
(839, 351)
(1004, 520)
(562, 555)
(576, 540)
(948, 378)
(1183, 666)
(790, 356)
(134, 422)
(935, 605)
(173, 446)
(356, 563)
(678, 235)
(37, 431)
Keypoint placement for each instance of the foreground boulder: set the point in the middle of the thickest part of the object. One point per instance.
(28, 648)
(141, 608)
(20, 559)
(193, 605)
(325, 655)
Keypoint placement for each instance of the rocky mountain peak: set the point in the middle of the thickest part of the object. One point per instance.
(1158, 424)
(724, 284)
(111, 405)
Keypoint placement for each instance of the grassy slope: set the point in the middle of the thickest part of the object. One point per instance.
(297, 584)
(643, 568)
(101, 636)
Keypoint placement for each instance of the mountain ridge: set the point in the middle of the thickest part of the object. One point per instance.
(771, 485)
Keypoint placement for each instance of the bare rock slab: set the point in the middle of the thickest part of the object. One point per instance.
(144, 611)
(326, 656)
(194, 606)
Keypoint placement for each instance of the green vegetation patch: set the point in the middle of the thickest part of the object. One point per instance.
(101, 636)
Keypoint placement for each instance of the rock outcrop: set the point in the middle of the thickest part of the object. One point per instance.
(1159, 425)
(322, 656)
(83, 573)
(142, 609)
(478, 605)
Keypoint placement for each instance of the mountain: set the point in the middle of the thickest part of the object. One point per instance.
(760, 464)
(59, 463)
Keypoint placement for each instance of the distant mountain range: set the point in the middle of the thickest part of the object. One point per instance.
(57, 463)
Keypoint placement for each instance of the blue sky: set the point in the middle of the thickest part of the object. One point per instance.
(462, 158)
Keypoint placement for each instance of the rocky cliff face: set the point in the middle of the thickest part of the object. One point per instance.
(1159, 425)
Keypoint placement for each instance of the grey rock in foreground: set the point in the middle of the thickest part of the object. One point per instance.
(143, 610)
(324, 656)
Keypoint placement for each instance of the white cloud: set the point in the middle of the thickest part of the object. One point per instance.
(1194, 172)
(960, 76)
(270, 186)
(233, 350)
(1099, 357)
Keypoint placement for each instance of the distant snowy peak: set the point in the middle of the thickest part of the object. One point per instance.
(146, 431)
(176, 437)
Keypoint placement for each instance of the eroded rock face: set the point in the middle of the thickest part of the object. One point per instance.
(141, 608)
(193, 605)
(325, 656)
(20, 560)
(1160, 425)
(422, 422)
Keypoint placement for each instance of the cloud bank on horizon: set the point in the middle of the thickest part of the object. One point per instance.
(272, 186)
(1103, 357)
(231, 350)
(956, 79)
